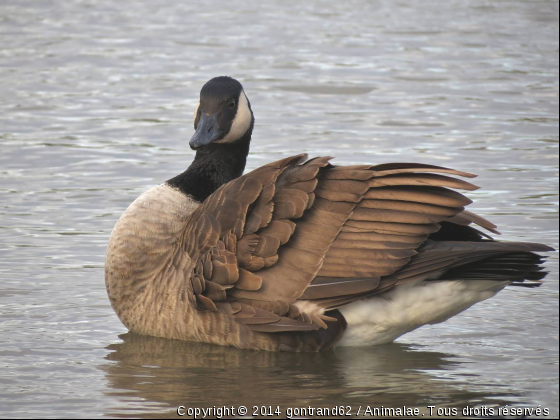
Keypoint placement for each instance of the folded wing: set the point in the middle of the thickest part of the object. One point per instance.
(277, 247)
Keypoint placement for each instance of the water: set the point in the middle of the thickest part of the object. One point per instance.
(96, 99)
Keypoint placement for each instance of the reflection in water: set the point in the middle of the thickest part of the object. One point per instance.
(164, 374)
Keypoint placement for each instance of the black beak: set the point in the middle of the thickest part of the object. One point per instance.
(207, 131)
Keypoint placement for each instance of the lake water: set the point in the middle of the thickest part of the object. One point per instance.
(96, 103)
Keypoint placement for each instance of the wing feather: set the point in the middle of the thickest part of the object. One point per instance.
(306, 231)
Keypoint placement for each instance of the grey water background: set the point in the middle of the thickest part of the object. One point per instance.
(96, 103)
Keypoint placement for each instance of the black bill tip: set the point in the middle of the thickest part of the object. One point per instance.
(207, 131)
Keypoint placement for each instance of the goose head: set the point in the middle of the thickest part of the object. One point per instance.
(223, 115)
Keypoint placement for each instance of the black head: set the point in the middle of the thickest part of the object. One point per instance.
(223, 114)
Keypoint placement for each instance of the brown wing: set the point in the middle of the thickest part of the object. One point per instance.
(401, 207)
(290, 232)
(236, 237)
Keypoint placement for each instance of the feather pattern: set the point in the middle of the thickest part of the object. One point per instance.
(265, 261)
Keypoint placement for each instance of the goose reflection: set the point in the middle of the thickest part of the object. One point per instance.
(164, 374)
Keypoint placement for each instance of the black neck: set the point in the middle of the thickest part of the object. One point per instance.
(213, 166)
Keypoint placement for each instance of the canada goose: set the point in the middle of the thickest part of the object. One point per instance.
(299, 254)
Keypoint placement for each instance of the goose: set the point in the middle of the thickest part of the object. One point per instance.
(301, 254)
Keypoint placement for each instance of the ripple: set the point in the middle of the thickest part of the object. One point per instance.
(96, 107)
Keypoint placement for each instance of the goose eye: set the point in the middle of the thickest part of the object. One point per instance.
(232, 104)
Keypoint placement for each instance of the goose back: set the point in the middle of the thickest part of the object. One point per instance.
(265, 261)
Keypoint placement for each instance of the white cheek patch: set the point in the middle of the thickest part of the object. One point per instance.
(196, 112)
(241, 122)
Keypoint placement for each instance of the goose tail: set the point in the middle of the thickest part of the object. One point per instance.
(518, 268)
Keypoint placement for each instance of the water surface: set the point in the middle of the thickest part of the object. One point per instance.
(96, 103)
